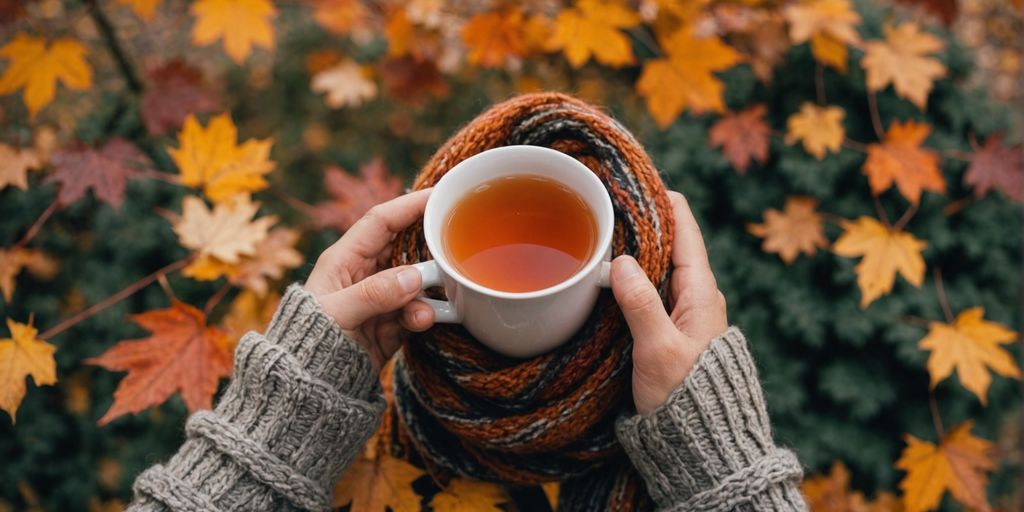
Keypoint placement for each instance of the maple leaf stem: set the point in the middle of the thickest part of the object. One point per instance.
(115, 298)
(953, 208)
(916, 320)
(903, 220)
(884, 217)
(819, 83)
(296, 203)
(37, 225)
(936, 418)
(646, 40)
(124, 63)
(876, 118)
(216, 298)
(940, 291)
(166, 177)
(854, 145)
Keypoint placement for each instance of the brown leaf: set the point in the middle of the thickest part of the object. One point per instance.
(412, 80)
(946, 10)
(15, 164)
(106, 171)
(176, 90)
(742, 136)
(796, 229)
(354, 195)
(275, 254)
(995, 166)
(832, 492)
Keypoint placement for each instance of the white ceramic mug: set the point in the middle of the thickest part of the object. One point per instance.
(516, 324)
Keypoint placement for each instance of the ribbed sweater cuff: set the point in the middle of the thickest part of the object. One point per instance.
(709, 446)
(301, 403)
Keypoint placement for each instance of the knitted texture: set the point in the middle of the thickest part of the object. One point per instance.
(460, 408)
(301, 403)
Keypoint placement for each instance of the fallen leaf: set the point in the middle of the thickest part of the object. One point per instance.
(354, 195)
(901, 60)
(400, 33)
(593, 28)
(35, 69)
(346, 83)
(958, 464)
(798, 228)
(551, 491)
(13, 261)
(429, 13)
(106, 171)
(465, 495)
(761, 35)
(900, 159)
(819, 128)
(340, 16)
(15, 164)
(249, 312)
(885, 502)
(77, 391)
(742, 136)
(993, 166)
(144, 9)
(182, 355)
(832, 492)
(830, 26)
(275, 254)
(374, 485)
(971, 345)
(211, 159)
(242, 24)
(944, 9)
(175, 91)
(412, 80)
(684, 79)
(321, 60)
(885, 252)
(11, 11)
(227, 233)
(493, 38)
(23, 355)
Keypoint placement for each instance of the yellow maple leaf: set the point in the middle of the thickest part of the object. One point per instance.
(684, 79)
(23, 355)
(145, 9)
(796, 229)
(593, 28)
(969, 344)
(901, 60)
(900, 159)
(211, 159)
(819, 128)
(465, 495)
(12, 261)
(958, 464)
(240, 23)
(493, 37)
(35, 69)
(374, 484)
(885, 252)
(15, 164)
(227, 233)
(830, 25)
(345, 83)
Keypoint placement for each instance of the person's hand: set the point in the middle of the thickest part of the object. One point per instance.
(376, 309)
(667, 345)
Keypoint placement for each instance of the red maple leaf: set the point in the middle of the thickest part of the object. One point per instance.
(354, 195)
(742, 136)
(176, 91)
(182, 355)
(106, 171)
(411, 80)
(997, 166)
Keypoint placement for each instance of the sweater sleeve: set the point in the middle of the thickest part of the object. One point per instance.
(709, 447)
(302, 401)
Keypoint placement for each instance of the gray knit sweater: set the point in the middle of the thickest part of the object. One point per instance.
(304, 399)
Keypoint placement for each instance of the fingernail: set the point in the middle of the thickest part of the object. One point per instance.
(629, 268)
(409, 280)
(419, 317)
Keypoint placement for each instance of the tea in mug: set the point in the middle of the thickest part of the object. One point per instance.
(520, 233)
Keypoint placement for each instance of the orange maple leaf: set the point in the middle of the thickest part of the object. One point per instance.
(830, 25)
(466, 495)
(901, 61)
(212, 159)
(15, 164)
(242, 24)
(832, 492)
(796, 229)
(12, 261)
(494, 37)
(593, 28)
(340, 16)
(377, 483)
(900, 159)
(820, 129)
(273, 255)
(958, 464)
(354, 195)
(885, 252)
(742, 136)
(144, 9)
(23, 355)
(182, 355)
(36, 68)
(969, 344)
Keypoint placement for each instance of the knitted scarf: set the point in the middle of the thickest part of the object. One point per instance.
(458, 408)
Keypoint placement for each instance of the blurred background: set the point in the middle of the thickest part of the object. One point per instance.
(826, 147)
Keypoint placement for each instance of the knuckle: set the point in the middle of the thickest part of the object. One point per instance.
(639, 297)
(375, 291)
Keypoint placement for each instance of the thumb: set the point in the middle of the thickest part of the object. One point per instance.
(639, 301)
(386, 291)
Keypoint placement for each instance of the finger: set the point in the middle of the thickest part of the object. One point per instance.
(640, 302)
(374, 230)
(417, 316)
(689, 255)
(381, 293)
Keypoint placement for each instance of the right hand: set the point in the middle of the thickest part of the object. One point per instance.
(667, 345)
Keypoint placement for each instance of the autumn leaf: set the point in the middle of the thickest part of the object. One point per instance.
(23, 355)
(760, 34)
(275, 254)
(819, 128)
(242, 24)
(345, 83)
(144, 9)
(685, 78)
(354, 195)
(15, 164)
(971, 345)
(742, 136)
(900, 159)
(830, 26)
(400, 33)
(106, 171)
(901, 60)
(832, 492)
(551, 492)
(211, 159)
(885, 252)
(175, 91)
(12, 261)
(35, 69)
(226, 233)
(593, 28)
(991, 166)
(494, 37)
(340, 16)
(958, 465)
(465, 495)
(249, 312)
(182, 355)
(412, 80)
(796, 229)
(378, 483)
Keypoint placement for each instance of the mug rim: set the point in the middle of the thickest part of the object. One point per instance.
(601, 247)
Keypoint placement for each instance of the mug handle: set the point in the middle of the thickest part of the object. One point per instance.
(430, 275)
(604, 275)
